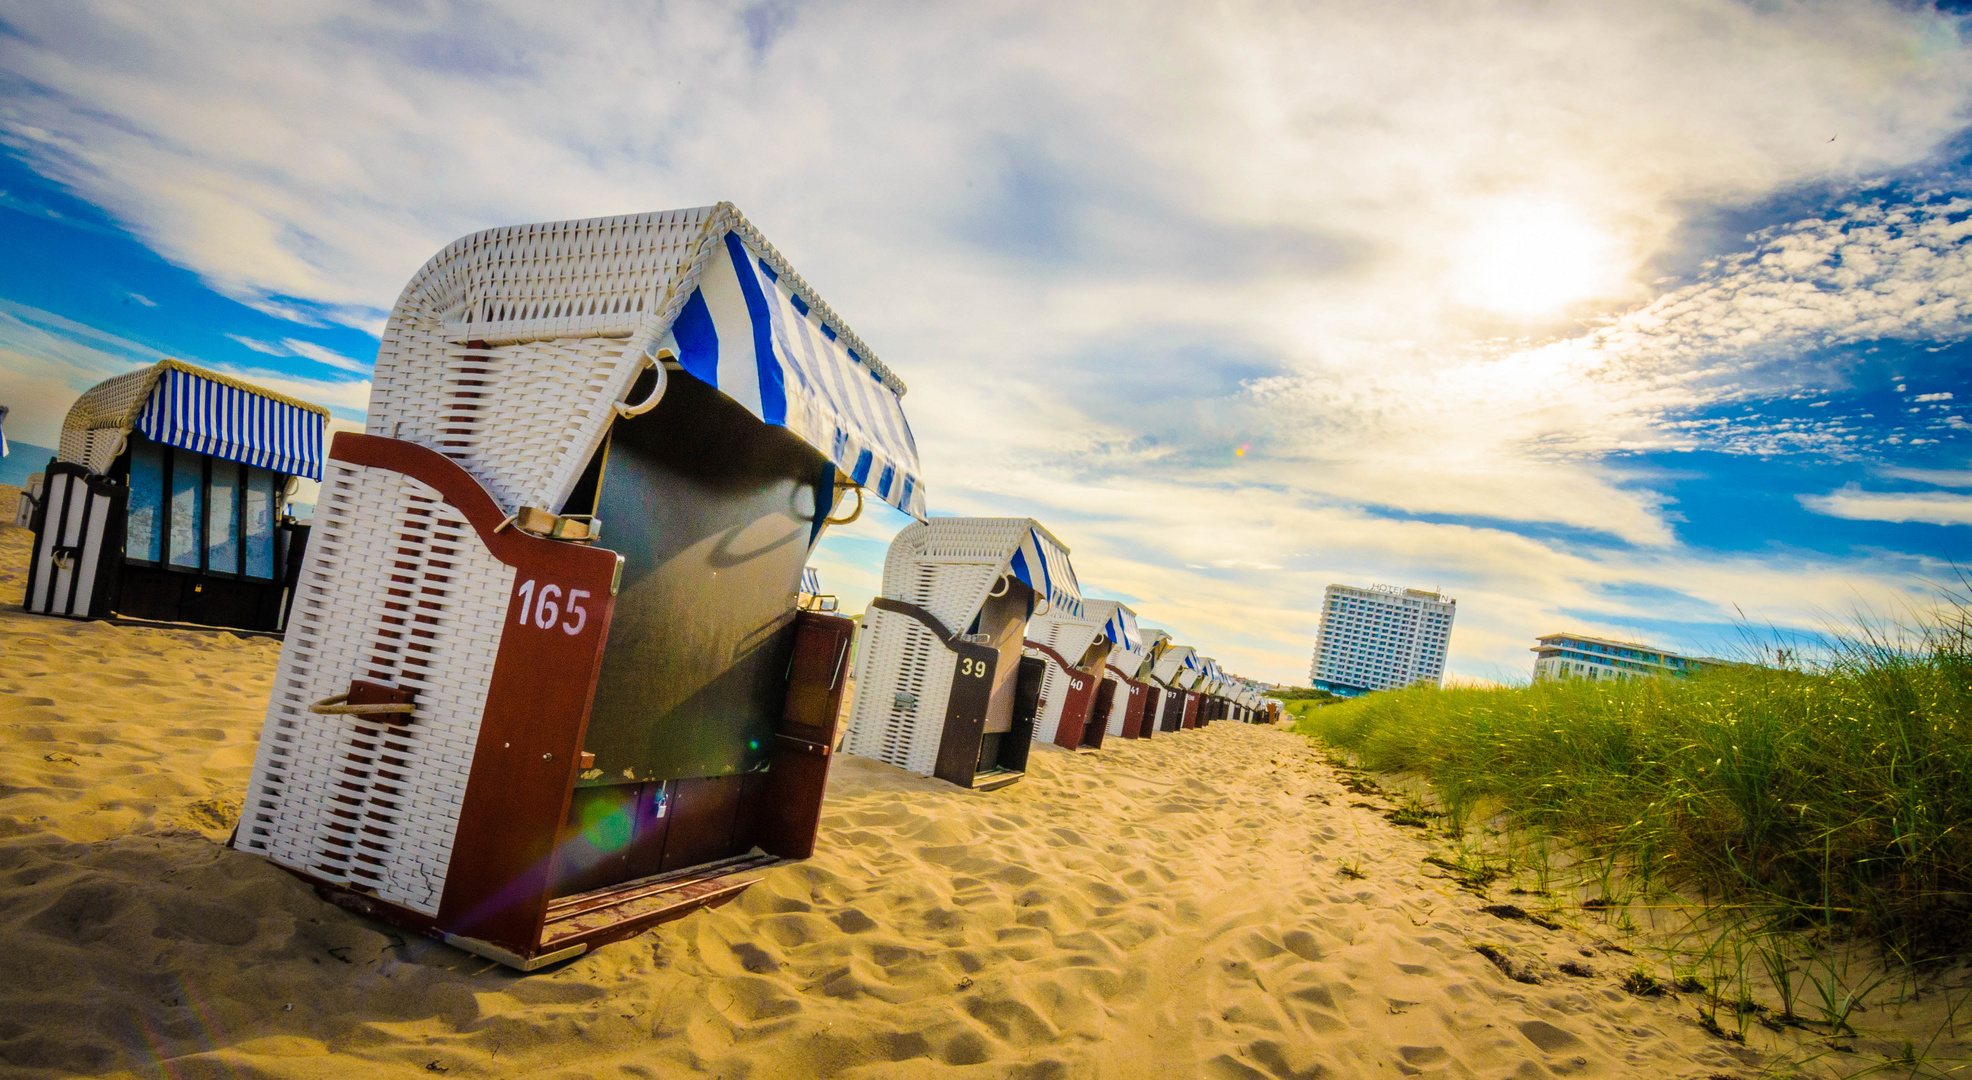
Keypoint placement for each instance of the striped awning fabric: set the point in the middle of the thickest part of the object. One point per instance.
(1122, 629)
(227, 420)
(747, 332)
(1042, 563)
(811, 582)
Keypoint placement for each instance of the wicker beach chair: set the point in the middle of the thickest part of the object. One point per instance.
(1155, 644)
(1073, 649)
(1176, 669)
(1210, 687)
(1120, 704)
(165, 498)
(942, 688)
(547, 681)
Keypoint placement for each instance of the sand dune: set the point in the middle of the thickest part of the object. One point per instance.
(1162, 909)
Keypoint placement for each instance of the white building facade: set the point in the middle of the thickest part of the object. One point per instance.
(1381, 637)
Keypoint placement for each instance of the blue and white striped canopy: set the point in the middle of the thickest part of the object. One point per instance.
(206, 412)
(1043, 565)
(811, 582)
(1122, 629)
(746, 332)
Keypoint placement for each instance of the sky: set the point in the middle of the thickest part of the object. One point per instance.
(1646, 320)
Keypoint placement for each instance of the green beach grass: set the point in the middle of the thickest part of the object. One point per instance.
(1838, 796)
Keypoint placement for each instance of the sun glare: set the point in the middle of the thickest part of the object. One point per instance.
(1527, 259)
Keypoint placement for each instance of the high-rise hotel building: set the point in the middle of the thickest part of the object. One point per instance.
(1380, 637)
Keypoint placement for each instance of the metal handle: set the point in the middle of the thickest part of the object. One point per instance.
(334, 706)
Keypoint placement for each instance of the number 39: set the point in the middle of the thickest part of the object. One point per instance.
(540, 608)
(972, 668)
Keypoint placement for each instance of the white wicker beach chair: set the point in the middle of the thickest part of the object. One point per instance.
(1156, 643)
(1176, 669)
(1121, 707)
(491, 727)
(941, 685)
(1073, 649)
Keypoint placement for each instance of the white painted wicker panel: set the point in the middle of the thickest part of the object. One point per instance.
(396, 589)
(968, 555)
(903, 684)
(1119, 706)
(523, 419)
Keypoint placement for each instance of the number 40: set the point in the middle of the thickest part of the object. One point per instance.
(543, 611)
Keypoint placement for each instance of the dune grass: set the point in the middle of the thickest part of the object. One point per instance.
(1837, 795)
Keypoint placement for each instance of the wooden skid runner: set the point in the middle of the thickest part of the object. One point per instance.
(594, 918)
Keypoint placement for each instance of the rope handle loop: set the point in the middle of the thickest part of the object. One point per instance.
(656, 361)
(334, 706)
(858, 489)
(1001, 587)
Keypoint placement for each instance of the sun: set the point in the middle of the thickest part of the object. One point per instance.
(1528, 258)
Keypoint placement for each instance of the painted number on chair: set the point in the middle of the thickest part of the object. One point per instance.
(545, 608)
(971, 668)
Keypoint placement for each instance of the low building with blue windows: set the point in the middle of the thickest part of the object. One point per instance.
(1579, 656)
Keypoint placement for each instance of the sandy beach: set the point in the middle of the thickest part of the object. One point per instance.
(1171, 908)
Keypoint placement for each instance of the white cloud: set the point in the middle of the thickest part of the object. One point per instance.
(307, 350)
(47, 360)
(1951, 478)
(267, 348)
(1930, 507)
(310, 351)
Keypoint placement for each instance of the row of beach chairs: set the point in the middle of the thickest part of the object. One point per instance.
(554, 665)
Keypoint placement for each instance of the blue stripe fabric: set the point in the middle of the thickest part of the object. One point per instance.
(744, 331)
(811, 582)
(1122, 629)
(773, 386)
(1044, 566)
(195, 413)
